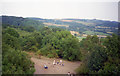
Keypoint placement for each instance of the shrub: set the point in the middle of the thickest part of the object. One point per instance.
(50, 55)
(16, 62)
(82, 69)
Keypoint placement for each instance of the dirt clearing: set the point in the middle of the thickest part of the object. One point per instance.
(54, 69)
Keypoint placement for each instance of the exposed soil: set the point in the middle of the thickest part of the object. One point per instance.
(54, 69)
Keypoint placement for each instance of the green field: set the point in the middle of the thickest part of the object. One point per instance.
(93, 33)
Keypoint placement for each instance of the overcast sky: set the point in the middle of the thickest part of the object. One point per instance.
(57, 9)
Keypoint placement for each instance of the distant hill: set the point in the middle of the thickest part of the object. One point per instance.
(20, 21)
(83, 26)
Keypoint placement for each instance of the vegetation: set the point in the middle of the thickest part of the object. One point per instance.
(94, 26)
(94, 33)
(102, 56)
(22, 23)
(50, 42)
(14, 61)
(98, 56)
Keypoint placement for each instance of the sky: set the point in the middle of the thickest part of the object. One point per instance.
(59, 9)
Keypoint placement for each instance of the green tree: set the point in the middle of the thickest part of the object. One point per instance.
(112, 45)
(15, 61)
(97, 59)
(12, 32)
(11, 41)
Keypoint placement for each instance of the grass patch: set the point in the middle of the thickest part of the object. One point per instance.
(94, 33)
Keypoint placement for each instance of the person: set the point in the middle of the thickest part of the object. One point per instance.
(60, 62)
(68, 73)
(54, 62)
(72, 74)
(45, 66)
(57, 62)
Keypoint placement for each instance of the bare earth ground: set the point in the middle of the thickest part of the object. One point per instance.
(53, 69)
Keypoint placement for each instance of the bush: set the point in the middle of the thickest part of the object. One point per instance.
(82, 69)
(34, 49)
(39, 52)
(12, 32)
(16, 62)
(97, 59)
(50, 55)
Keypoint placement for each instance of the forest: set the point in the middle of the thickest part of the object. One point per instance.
(98, 55)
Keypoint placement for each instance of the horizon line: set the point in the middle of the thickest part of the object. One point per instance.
(63, 18)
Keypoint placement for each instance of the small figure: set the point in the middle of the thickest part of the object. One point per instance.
(72, 74)
(54, 62)
(57, 62)
(68, 73)
(45, 67)
(60, 62)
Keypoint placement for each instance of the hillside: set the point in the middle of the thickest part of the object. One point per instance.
(20, 22)
(83, 26)
(28, 45)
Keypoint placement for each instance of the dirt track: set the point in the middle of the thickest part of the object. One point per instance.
(54, 69)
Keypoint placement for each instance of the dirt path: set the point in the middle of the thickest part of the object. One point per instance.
(54, 69)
